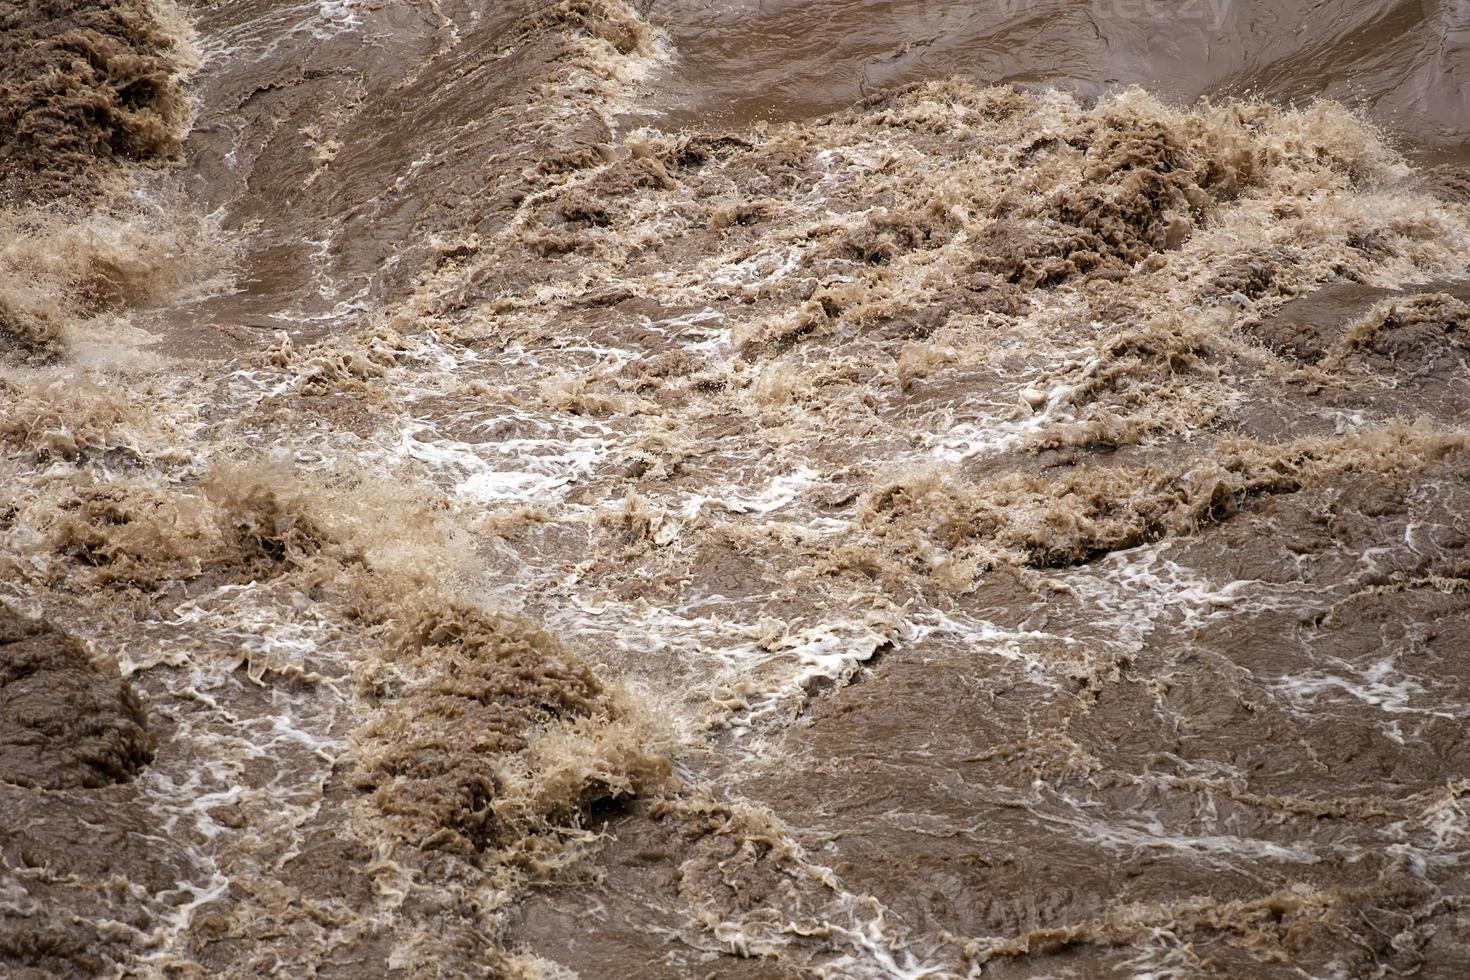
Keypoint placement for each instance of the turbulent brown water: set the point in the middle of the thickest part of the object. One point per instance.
(742, 489)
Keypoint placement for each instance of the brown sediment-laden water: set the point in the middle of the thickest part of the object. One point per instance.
(842, 488)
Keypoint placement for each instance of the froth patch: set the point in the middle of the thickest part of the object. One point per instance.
(62, 273)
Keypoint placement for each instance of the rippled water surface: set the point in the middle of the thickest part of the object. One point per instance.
(1404, 62)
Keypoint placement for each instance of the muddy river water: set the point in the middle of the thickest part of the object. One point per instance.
(747, 488)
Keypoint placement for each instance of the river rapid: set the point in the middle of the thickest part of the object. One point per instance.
(754, 488)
